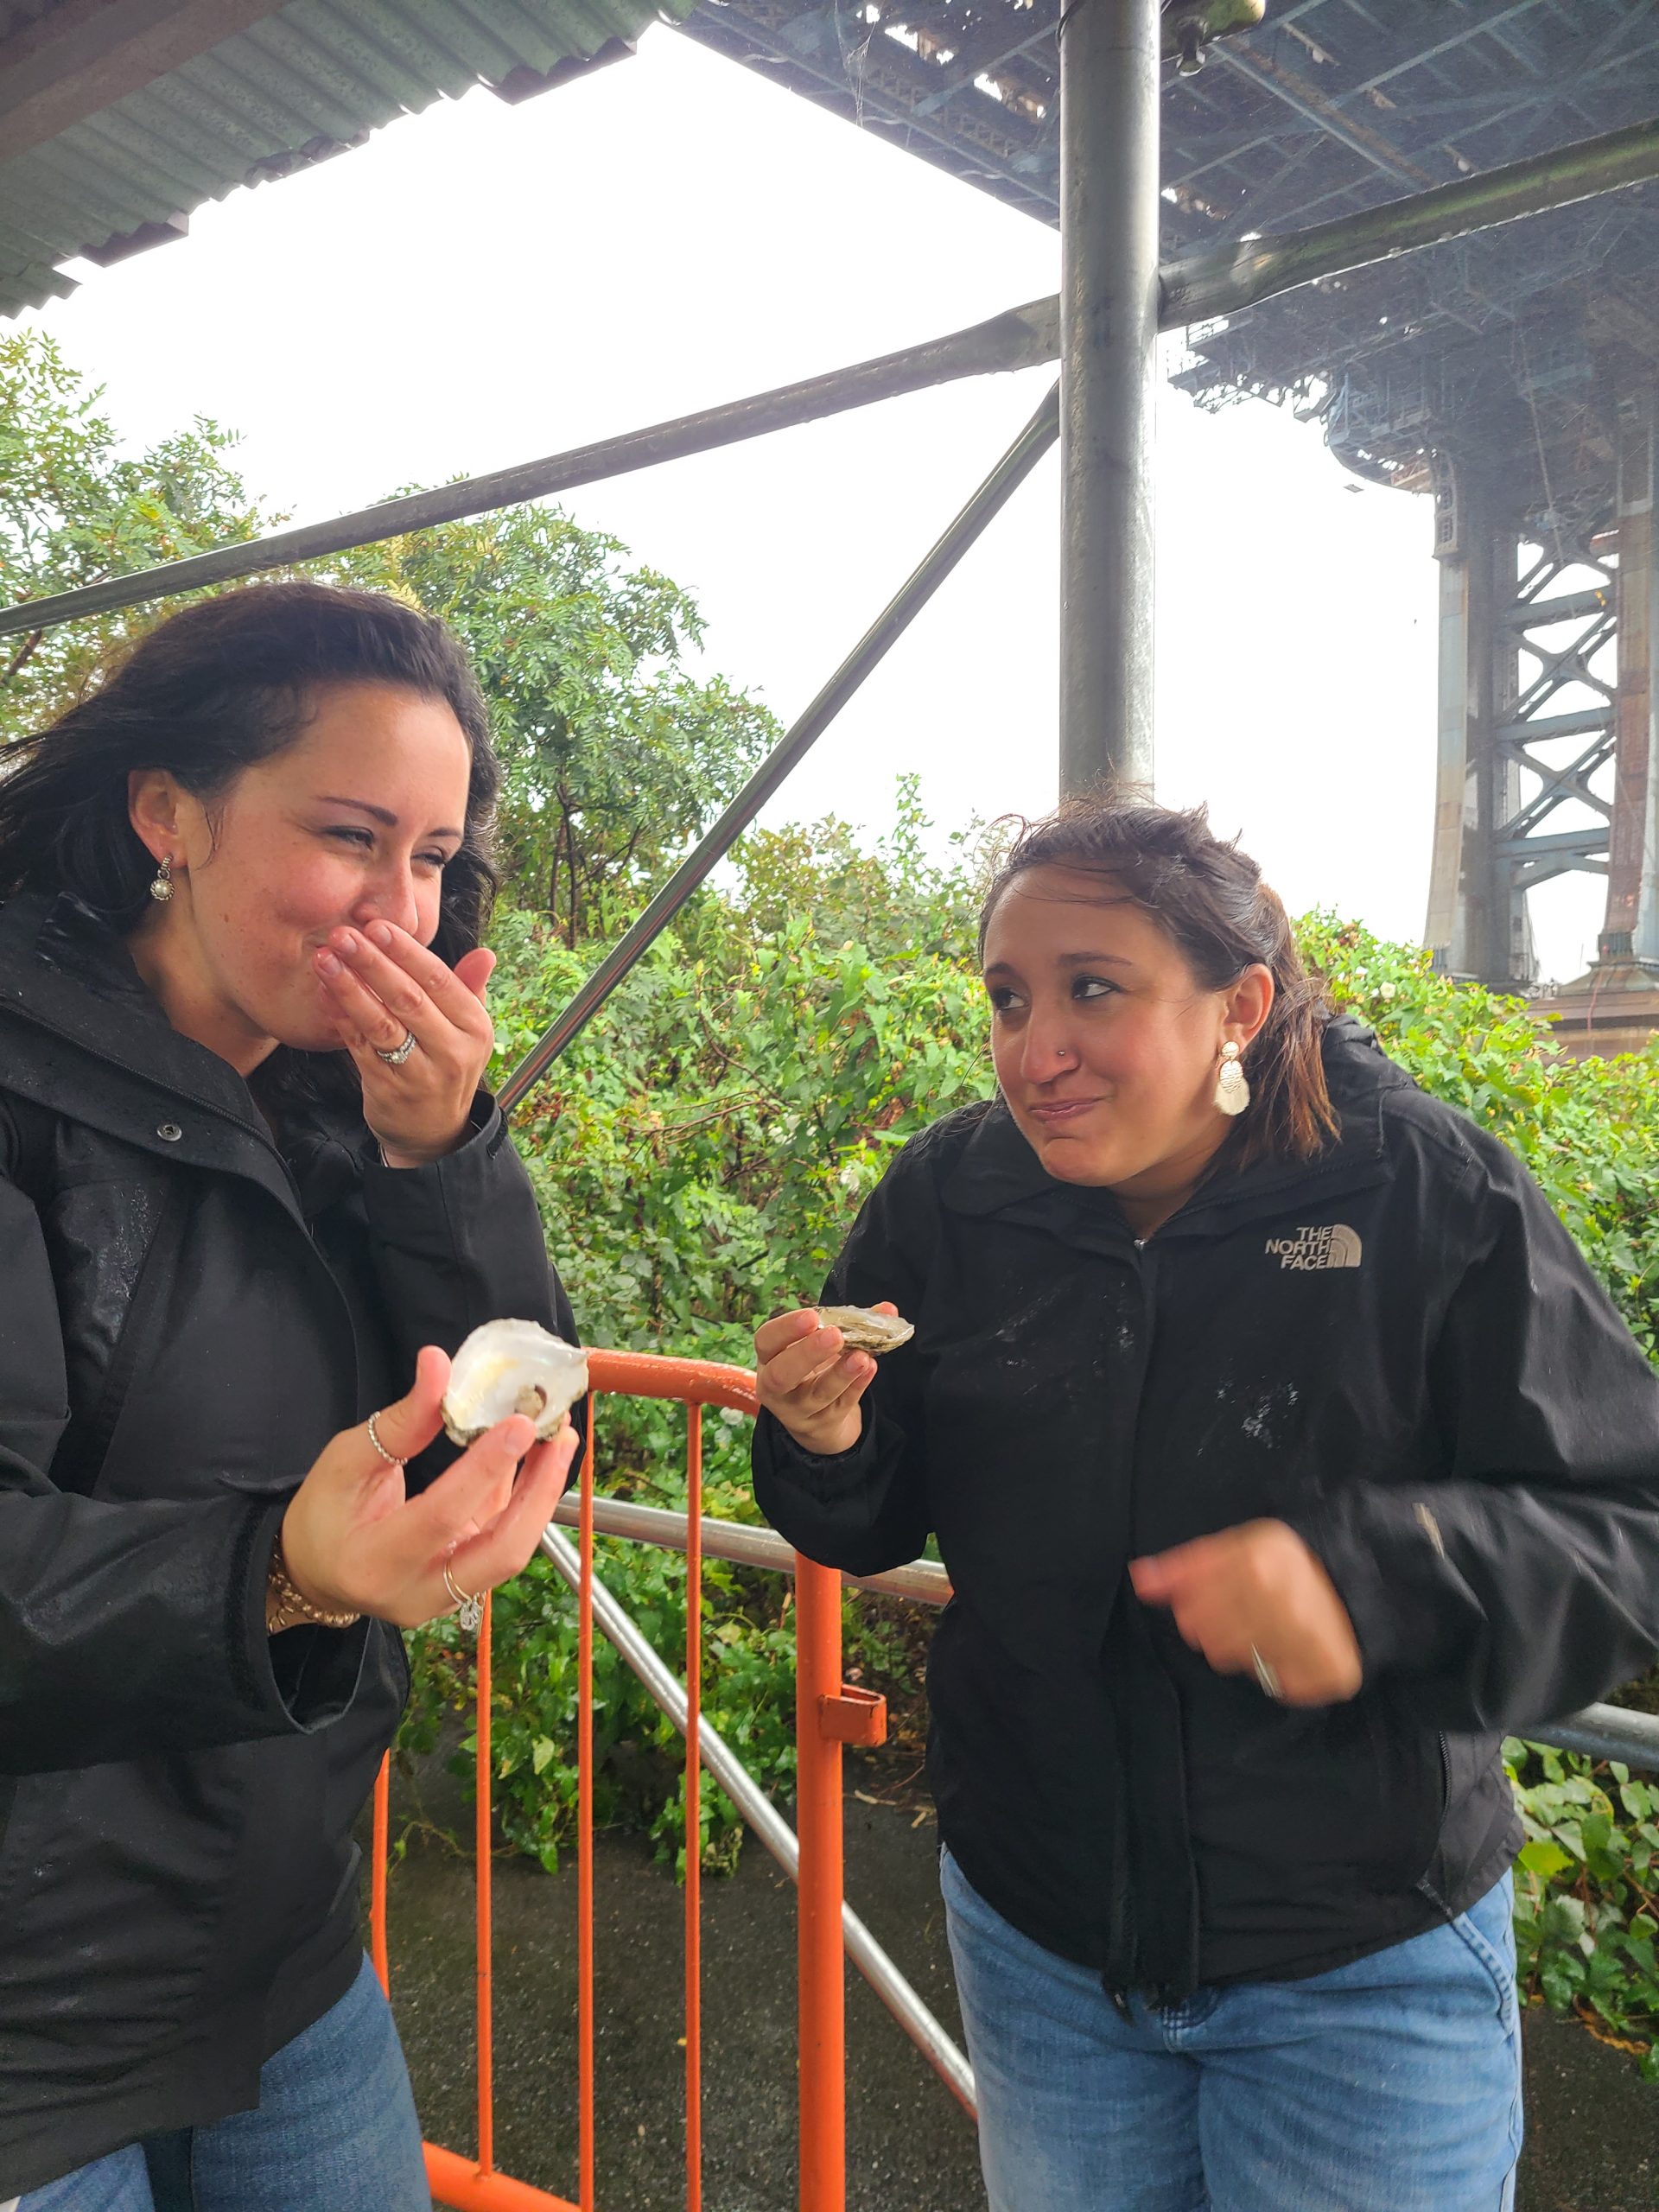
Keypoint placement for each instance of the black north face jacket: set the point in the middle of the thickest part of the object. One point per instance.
(1397, 1350)
(186, 1316)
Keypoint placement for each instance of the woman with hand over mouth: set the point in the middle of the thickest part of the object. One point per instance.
(253, 1195)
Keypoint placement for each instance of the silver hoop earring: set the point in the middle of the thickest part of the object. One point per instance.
(1232, 1091)
(161, 888)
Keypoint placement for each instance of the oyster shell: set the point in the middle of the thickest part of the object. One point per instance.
(512, 1367)
(863, 1329)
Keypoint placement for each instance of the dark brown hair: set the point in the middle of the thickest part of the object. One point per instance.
(1209, 900)
(224, 683)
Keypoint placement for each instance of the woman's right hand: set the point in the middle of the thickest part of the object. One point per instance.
(805, 1378)
(354, 1542)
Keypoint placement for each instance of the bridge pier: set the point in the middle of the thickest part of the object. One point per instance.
(1630, 938)
(1571, 590)
(1477, 907)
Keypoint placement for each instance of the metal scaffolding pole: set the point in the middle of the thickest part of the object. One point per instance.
(1221, 281)
(1631, 929)
(1110, 301)
(1020, 338)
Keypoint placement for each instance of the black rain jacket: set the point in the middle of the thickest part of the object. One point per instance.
(186, 1316)
(1397, 1350)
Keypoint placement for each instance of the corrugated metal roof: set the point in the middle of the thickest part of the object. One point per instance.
(301, 85)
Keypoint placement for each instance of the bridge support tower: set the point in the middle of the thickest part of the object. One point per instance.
(1549, 711)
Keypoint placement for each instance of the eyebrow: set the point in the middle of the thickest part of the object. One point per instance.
(382, 814)
(1069, 960)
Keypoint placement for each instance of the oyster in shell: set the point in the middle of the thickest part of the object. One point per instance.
(512, 1367)
(863, 1329)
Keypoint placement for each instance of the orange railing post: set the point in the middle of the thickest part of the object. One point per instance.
(823, 1973)
(827, 1716)
(585, 1829)
(694, 1808)
(481, 1871)
(379, 1848)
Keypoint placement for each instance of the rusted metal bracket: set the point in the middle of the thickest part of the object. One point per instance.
(1189, 25)
(853, 1716)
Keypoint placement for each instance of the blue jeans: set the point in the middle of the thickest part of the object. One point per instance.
(334, 2130)
(1389, 2085)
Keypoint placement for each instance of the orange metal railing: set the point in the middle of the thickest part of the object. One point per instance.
(828, 1714)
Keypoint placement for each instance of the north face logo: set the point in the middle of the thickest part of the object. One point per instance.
(1336, 1245)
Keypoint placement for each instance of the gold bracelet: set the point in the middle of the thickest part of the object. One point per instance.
(286, 1607)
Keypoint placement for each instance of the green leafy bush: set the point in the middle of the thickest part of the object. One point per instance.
(1586, 1893)
(1588, 1129)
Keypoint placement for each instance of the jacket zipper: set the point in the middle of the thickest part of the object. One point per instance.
(1120, 1979)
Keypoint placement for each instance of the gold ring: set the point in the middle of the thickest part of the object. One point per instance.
(469, 1608)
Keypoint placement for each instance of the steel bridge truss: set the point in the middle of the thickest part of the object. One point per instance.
(1549, 755)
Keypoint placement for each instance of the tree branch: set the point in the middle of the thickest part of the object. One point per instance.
(25, 653)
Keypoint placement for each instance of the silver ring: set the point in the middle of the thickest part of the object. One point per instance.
(391, 1457)
(469, 1609)
(399, 1053)
(1271, 1685)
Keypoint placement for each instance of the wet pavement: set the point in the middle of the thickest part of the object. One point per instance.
(1594, 2125)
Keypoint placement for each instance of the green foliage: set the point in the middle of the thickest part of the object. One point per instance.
(749, 1682)
(1588, 1129)
(615, 754)
(74, 510)
(1587, 1911)
(893, 900)
(701, 1150)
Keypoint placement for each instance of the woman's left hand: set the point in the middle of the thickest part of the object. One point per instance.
(1258, 1589)
(383, 986)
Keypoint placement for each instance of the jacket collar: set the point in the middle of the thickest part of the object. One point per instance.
(64, 967)
(997, 1171)
(70, 977)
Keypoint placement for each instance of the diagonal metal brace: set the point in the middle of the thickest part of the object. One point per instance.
(1220, 281)
(992, 495)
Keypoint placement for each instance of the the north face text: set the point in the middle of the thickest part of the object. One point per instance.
(1334, 1246)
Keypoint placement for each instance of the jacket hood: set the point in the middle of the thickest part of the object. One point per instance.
(83, 1036)
(64, 969)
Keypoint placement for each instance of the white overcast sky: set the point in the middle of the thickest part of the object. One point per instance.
(483, 284)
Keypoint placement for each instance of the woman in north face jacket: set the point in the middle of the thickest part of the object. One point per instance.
(1284, 1454)
(252, 1195)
